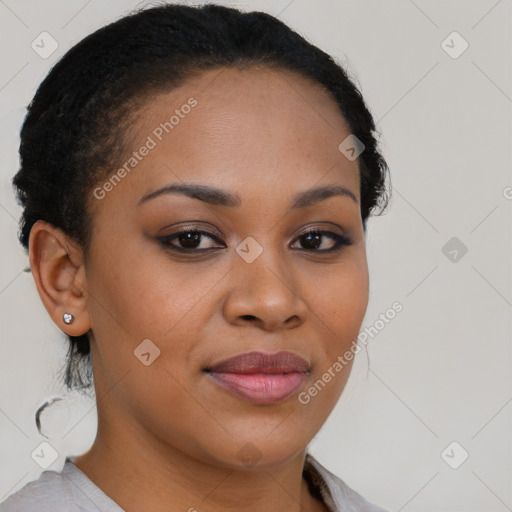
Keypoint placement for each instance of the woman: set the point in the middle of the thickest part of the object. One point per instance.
(196, 183)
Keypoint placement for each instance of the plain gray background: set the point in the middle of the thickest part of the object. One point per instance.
(440, 371)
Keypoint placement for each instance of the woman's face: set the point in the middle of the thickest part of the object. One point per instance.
(252, 282)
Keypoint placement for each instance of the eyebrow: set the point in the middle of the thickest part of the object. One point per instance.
(220, 197)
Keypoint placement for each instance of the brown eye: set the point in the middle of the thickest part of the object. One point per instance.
(314, 239)
(190, 240)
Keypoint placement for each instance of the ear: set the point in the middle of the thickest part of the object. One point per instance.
(57, 264)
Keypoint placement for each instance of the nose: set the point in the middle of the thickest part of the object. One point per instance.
(265, 294)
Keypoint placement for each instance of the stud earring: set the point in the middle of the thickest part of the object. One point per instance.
(67, 317)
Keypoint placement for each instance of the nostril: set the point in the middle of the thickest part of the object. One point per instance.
(248, 317)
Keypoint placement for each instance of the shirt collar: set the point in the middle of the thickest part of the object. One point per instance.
(317, 484)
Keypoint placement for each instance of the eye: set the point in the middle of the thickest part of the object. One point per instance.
(193, 240)
(316, 240)
(190, 240)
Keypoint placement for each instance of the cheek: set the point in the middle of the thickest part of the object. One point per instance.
(142, 299)
(146, 296)
(339, 302)
(342, 303)
(348, 300)
(141, 293)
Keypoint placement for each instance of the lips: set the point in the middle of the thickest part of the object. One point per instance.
(259, 377)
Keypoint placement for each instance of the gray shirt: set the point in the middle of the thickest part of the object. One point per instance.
(72, 491)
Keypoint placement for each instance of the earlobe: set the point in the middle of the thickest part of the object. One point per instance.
(57, 265)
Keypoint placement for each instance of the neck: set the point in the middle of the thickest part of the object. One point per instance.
(140, 472)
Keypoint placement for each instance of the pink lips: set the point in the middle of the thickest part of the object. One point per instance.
(261, 378)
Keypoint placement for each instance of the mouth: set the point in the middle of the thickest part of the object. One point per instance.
(259, 377)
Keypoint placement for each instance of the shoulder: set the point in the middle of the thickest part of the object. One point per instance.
(52, 491)
(342, 497)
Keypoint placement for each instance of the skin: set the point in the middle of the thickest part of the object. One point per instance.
(169, 438)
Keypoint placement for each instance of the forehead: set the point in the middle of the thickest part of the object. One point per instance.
(242, 129)
(257, 101)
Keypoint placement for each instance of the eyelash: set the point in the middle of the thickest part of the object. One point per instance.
(340, 240)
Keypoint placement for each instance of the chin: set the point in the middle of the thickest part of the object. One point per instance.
(257, 453)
